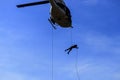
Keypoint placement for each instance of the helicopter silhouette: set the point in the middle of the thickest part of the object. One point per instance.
(59, 12)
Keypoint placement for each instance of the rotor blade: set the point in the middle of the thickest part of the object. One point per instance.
(32, 4)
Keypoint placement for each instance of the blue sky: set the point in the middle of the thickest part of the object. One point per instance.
(26, 42)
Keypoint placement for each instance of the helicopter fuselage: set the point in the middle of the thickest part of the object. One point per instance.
(60, 13)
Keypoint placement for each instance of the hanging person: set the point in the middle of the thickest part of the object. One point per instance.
(70, 48)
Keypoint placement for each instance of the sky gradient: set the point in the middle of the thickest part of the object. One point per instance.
(26, 42)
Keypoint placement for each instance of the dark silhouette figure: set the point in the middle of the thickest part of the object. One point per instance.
(70, 48)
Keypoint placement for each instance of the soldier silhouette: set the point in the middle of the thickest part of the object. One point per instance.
(70, 48)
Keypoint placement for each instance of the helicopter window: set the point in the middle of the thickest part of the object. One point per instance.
(61, 5)
(65, 8)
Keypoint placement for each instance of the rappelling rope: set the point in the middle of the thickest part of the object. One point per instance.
(52, 56)
(76, 66)
(71, 36)
(76, 61)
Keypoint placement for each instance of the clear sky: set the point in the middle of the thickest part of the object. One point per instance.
(26, 42)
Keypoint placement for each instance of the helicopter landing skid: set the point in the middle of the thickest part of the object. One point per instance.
(52, 23)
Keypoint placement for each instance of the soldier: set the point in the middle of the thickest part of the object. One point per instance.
(70, 48)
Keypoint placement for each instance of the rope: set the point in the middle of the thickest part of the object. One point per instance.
(71, 36)
(52, 56)
(76, 66)
(76, 63)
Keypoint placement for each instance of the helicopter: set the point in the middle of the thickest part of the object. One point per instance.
(59, 12)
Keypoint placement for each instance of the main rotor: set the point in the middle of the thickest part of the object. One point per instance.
(33, 3)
